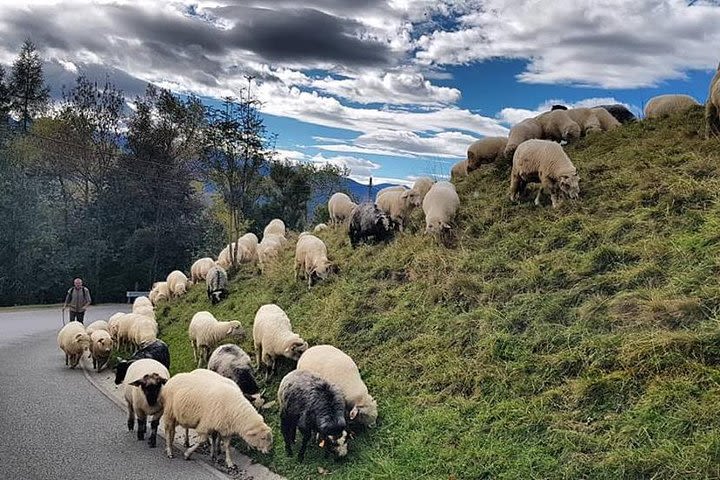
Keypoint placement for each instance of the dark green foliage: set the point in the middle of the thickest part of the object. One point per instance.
(29, 95)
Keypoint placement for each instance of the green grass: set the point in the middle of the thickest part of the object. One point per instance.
(580, 342)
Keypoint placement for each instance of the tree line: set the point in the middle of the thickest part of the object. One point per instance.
(122, 191)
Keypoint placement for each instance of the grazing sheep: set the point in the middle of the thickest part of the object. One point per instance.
(199, 269)
(320, 227)
(394, 188)
(620, 112)
(125, 330)
(314, 406)
(459, 170)
(311, 259)
(114, 325)
(557, 125)
(273, 337)
(145, 310)
(159, 291)
(607, 121)
(369, 223)
(525, 130)
(248, 246)
(232, 362)
(335, 366)
(422, 185)
(157, 350)
(545, 162)
(558, 107)
(97, 325)
(275, 227)
(340, 208)
(712, 106)
(143, 393)
(178, 283)
(206, 332)
(440, 206)
(398, 205)
(143, 331)
(586, 119)
(217, 284)
(663, 105)
(269, 249)
(73, 340)
(100, 346)
(486, 150)
(211, 404)
(141, 301)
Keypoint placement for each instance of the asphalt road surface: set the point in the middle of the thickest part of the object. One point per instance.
(55, 424)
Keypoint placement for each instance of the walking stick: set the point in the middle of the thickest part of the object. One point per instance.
(62, 316)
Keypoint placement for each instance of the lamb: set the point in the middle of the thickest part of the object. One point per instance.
(484, 151)
(320, 227)
(212, 406)
(394, 188)
(311, 259)
(143, 331)
(586, 119)
(335, 366)
(273, 337)
(712, 107)
(545, 162)
(558, 125)
(217, 284)
(199, 269)
(422, 185)
(269, 249)
(97, 325)
(157, 350)
(525, 130)
(398, 205)
(100, 346)
(143, 393)
(206, 332)
(620, 112)
(312, 405)
(73, 341)
(607, 121)
(275, 227)
(232, 362)
(459, 170)
(440, 206)
(340, 208)
(369, 223)
(159, 291)
(663, 105)
(178, 283)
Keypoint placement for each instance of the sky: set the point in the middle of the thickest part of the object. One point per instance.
(393, 89)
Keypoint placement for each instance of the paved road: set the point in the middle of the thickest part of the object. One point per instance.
(55, 424)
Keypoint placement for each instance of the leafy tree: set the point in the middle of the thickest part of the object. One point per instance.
(5, 98)
(29, 95)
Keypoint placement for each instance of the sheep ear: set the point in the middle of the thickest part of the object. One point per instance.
(78, 336)
(353, 413)
(404, 194)
(136, 383)
(162, 381)
(229, 331)
(446, 227)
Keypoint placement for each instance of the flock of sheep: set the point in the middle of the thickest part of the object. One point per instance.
(325, 393)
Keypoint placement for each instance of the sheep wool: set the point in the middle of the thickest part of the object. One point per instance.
(97, 325)
(143, 331)
(232, 362)
(275, 227)
(199, 269)
(100, 347)
(157, 350)
(558, 125)
(369, 224)
(311, 259)
(619, 112)
(459, 170)
(340, 208)
(394, 188)
(525, 130)
(273, 337)
(484, 151)
(206, 332)
(269, 249)
(216, 283)
(398, 205)
(320, 227)
(143, 389)
(422, 185)
(440, 206)
(141, 301)
(712, 107)
(178, 283)
(663, 105)
(586, 119)
(335, 366)
(607, 121)
(160, 291)
(73, 341)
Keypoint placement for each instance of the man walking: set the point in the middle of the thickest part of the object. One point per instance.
(77, 299)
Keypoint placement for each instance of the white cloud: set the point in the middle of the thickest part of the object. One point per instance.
(345, 148)
(450, 144)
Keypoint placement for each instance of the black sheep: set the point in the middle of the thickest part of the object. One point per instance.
(620, 112)
(368, 222)
(157, 350)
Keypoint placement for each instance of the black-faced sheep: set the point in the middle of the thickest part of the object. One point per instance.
(712, 107)
(312, 405)
(206, 332)
(232, 362)
(370, 225)
(216, 282)
(484, 151)
(340, 208)
(157, 350)
(73, 341)
(143, 384)
(273, 338)
(545, 162)
(663, 105)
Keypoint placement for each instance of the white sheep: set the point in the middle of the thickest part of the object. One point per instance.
(525, 130)
(142, 301)
(459, 170)
(210, 404)
(340, 208)
(73, 340)
(440, 207)
(484, 151)
(273, 337)
(248, 246)
(558, 125)
(145, 310)
(275, 227)
(585, 118)
(311, 259)
(124, 335)
(662, 105)
(269, 249)
(144, 382)
(320, 227)
(100, 347)
(178, 283)
(97, 325)
(143, 331)
(114, 325)
(422, 185)
(159, 291)
(335, 366)
(206, 332)
(394, 188)
(712, 107)
(546, 162)
(399, 205)
(607, 121)
(199, 269)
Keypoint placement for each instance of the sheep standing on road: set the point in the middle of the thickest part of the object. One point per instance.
(143, 384)
(100, 346)
(273, 338)
(73, 341)
(312, 405)
(340, 208)
(97, 325)
(232, 362)
(545, 162)
(368, 223)
(311, 259)
(217, 284)
(157, 350)
(206, 333)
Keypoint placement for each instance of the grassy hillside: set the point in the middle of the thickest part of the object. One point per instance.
(581, 342)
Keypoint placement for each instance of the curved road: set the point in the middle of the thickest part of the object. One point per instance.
(55, 424)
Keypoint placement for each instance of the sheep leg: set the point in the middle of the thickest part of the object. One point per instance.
(194, 349)
(67, 360)
(537, 197)
(142, 427)
(554, 200)
(303, 445)
(131, 417)
(152, 439)
(202, 438)
(170, 435)
(288, 427)
(187, 438)
(258, 355)
(711, 119)
(515, 187)
(228, 460)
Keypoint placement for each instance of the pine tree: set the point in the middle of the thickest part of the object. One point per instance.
(4, 97)
(29, 95)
